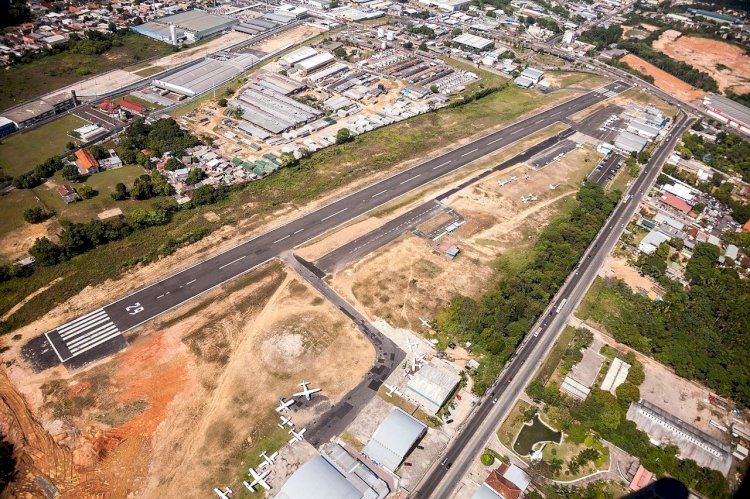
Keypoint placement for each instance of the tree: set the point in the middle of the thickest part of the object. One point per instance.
(627, 393)
(456, 32)
(70, 146)
(195, 176)
(343, 136)
(7, 461)
(142, 188)
(45, 252)
(434, 89)
(340, 52)
(423, 47)
(222, 102)
(121, 192)
(37, 214)
(555, 466)
(86, 191)
(70, 172)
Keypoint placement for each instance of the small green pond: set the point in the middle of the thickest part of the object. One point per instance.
(531, 434)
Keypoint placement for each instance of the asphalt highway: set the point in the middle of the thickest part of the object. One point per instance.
(95, 334)
(447, 473)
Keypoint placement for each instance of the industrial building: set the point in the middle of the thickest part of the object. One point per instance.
(88, 133)
(535, 75)
(334, 475)
(629, 142)
(447, 5)
(189, 26)
(729, 112)
(209, 73)
(693, 443)
(394, 439)
(33, 112)
(474, 42)
(616, 375)
(310, 64)
(651, 242)
(273, 111)
(296, 56)
(7, 127)
(433, 384)
(645, 130)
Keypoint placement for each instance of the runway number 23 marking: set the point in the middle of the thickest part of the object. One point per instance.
(134, 309)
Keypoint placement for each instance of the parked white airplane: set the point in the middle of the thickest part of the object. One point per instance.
(417, 360)
(268, 459)
(552, 187)
(392, 390)
(284, 406)
(285, 421)
(223, 494)
(425, 323)
(306, 392)
(298, 436)
(258, 479)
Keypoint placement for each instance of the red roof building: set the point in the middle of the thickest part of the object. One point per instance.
(108, 106)
(675, 202)
(641, 479)
(67, 193)
(87, 163)
(132, 106)
(746, 227)
(502, 486)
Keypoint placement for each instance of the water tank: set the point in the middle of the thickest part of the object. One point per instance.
(173, 33)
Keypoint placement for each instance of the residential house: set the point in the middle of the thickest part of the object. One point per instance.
(68, 194)
(86, 162)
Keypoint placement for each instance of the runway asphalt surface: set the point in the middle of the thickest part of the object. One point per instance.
(100, 332)
(446, 474)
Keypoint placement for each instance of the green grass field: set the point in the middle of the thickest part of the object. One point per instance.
(21, 153)
(26, 81)
(87, 209)
(486, 78)
(368, 154)
(12, 205)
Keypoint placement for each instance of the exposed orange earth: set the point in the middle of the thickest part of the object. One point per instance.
(664, 80)
(704, 54)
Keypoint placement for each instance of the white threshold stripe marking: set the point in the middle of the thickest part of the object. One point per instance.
(105, 329)
(279, 240)
(410, 179)
(98, 310)
(97, 343)
(333, 215)
(80, 327)
(298, 231)
(86, 330)
(233, 261)
(379, 193)
(160, 296)
(442, 164)
(81, 321)
(467, 153)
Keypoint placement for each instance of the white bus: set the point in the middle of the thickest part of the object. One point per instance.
(561, 305)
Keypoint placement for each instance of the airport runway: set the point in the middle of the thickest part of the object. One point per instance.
(100, 332)
(446, 474)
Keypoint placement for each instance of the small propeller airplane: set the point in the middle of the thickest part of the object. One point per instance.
(298, 436)
(223, 494)
(425, 323)
(306, 392)
(285, 421)
(284, 406)
(258, 479)
(392, 390)
(269, 460)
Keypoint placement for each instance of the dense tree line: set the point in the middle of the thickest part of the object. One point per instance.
(13, 13)
(38, 174)
(78, 238)
(498, 321)
(602, 37)
(699, 331)
(679, 69)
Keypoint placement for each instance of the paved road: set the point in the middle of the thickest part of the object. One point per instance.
(99, 333)
(448, 472)
(388, 357)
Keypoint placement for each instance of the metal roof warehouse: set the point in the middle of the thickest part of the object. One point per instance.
(473, 41)
(318, 479)
(433, 384)
(394, 439)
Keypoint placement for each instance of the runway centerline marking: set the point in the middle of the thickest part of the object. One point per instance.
(279, 240)
(298, 231)
(333, 215)
(190, 282)
(442, 164)
(513, 133)
(496, 140)
(379, 193)
(233, 261)
(467, 153)
(410, 179)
